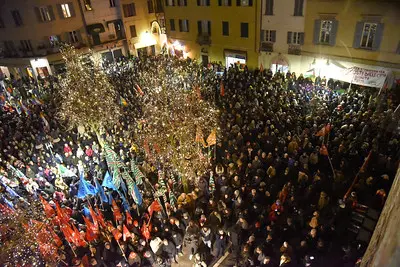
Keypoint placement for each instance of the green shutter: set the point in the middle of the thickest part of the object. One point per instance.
(71, 9)
(38, 15)
(273, 36)
(262, 36)
(317, 29)
(358, 34)
(51, 12)
(301, 37)
(289, 37)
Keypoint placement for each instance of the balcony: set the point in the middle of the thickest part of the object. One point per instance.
(267, 47)
(294, 50)
(203, 39)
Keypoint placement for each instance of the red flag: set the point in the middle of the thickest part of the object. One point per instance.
(62, 216)
(5, 209)
(139, 90)
(68, 232)
(155, 206)
(117, 234)
(324, 131)
(94, 218)
(145, 230)
(55, 238)
(323, 150)
(222, 89)
(129, 219)
(125, 232)
(100, 217)
(116, 211)
(76, 237)
(47, 207)
(261, 68)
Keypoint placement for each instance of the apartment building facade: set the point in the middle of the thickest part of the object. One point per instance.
(145, 26)
(30, 33)
(353, 41)
(282, 34)
(214, 31)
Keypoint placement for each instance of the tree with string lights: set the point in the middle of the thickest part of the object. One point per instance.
(87, 99)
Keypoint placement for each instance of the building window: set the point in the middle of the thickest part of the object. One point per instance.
(225, 28)
(170, 2)
(182, 2)
(66, 11)
(298, 7)
(129, 10)
(1, 23)
(368, 35)
(45, 13)
(172, 25)
(88, 5)
(150, 6)
(295, 38)
(204, 27)
(184, 25)
(244, 2)
(325, 32)
(9, 47)
(112, 3)
(268, 36)
(203, 2)
(224, 2)
(244, 30)
(73, 37)
(269, 7)
(132, 28)
(54, 40)
(26, 45)
(17, 18)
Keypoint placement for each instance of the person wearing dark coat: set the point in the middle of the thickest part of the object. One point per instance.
(220, 243)
(169, 250)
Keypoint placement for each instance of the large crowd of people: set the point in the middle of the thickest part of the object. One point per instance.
(287, 153)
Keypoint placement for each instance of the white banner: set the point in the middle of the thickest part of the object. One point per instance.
(366, 77)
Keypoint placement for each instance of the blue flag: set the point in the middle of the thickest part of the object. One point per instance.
(123, 186)
(136, 195)
(107, 181)
(100, 191)
(125, 203)
(9, 203)
(86, 212)
(85, 188)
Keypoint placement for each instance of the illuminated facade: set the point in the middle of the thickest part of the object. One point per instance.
(215, 31)
(282, 34)
(346, 34)
(144, 25)
(30, 33)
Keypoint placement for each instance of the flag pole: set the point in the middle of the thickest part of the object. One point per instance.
(123, 253)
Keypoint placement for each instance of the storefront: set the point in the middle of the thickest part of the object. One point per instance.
(232, 57)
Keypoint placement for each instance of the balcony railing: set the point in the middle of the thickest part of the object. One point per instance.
(267, 47)
(204, 39)
(294, 50)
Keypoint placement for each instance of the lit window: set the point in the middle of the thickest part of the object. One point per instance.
(325, 32)
(368, 35)
(88, 5)
(65, 10)
(112, 3)
(54, 41)
(45, 14)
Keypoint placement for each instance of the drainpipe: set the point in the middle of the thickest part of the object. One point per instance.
(84, 23)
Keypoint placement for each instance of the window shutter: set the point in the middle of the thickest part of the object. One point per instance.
(358, 34)
(187, 25)
(378, 36)
(79, 35)
(38, 15)
(301, 37)
(198, 2)
(296, 7)
(180, 25)
(317, 29)
(185, 2)
(199, 26)
(219, 2)
(273, 36)
(229, 2)
(262, 36)
(332, 39)
(289, 37)
(208, 2)
(59, 10)
(250, 2)
(65, 37)
(51, 12)
(166, 3)
(237, 2)
(71, 9)
(209, 28)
